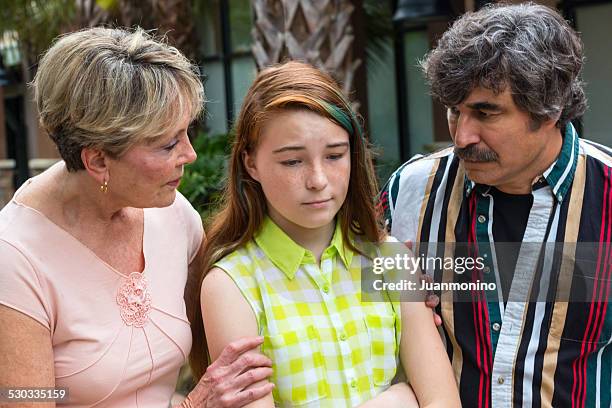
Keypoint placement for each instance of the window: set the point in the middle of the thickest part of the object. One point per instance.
(224, 29)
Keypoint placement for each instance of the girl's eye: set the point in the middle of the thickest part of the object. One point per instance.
(290, 163)
(335, 156)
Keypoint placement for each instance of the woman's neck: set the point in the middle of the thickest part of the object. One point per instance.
(72, 199)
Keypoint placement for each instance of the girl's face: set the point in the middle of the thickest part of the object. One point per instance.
(303, 164)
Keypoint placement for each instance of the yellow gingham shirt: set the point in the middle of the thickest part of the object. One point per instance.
(329, 349)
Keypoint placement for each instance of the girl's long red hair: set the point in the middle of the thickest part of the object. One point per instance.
(292, 85)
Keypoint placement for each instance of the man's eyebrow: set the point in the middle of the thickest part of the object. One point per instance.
(484, 106)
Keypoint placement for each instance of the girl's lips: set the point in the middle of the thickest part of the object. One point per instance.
(318, 204)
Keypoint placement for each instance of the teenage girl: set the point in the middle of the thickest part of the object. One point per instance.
(283, 259)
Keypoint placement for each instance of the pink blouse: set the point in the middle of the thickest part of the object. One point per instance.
(117, 340)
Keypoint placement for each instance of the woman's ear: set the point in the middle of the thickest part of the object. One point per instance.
(96, 164)
(249, 164)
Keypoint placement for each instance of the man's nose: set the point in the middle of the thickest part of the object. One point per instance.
(467, 132)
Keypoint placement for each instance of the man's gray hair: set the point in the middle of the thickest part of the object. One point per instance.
(528, 47)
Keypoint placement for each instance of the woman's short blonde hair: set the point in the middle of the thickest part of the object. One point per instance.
(112, 88)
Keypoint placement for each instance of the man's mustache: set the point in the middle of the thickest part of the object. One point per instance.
(474, 154)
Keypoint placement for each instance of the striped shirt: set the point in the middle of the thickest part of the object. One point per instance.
(526, 352)
(328, 348)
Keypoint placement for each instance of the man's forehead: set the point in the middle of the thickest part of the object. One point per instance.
(480, 96)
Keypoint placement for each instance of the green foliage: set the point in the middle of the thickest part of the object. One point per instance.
(36, 22)
(384, 169)
(379, 28)
(203, 179)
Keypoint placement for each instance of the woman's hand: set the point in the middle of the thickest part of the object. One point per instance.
(225, 380)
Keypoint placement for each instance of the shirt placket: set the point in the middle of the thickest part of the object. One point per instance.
(323, 278)
(510, 331)
(484, 237)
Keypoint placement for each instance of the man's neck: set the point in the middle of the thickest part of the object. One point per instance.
(523, 182)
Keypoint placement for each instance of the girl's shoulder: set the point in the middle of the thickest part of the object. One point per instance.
(241, 261)
(247, 250)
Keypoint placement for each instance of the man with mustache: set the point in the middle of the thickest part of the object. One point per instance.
(518, 173)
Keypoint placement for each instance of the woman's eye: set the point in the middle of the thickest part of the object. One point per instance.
(335, 156)
(290, 163)
(171, 145)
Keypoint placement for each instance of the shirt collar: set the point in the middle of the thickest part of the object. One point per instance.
(560, 174)
(287, 255)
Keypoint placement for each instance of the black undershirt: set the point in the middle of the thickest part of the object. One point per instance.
(510, 216)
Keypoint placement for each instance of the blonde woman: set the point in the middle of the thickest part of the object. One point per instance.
(94, 252)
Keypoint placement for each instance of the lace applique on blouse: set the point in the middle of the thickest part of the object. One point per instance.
(134, 300)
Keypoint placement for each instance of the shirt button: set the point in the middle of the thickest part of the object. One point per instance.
(487, 269)
(501, 380)
(343, 337)
(496, 327)
(353, 383)
(482, 219)
(326, 288)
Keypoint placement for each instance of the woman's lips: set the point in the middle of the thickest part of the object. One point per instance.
(174, 183)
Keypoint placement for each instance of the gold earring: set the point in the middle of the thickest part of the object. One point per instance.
(104, 187)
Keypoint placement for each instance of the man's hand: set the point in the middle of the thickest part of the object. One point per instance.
(432, 300)
(225, 381)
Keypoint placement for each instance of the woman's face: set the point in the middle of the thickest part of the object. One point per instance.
(303, 164)
(148, 174)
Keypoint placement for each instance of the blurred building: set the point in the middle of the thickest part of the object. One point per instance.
(401, 118)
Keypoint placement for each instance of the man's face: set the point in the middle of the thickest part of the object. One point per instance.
(494, 141)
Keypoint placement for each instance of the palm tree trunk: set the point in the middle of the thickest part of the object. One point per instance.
(315, 31)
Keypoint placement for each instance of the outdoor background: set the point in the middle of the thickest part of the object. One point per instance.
(370, 46)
